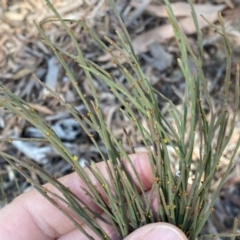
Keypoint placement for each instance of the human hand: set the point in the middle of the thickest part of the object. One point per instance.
(157, 231)
(30, 216)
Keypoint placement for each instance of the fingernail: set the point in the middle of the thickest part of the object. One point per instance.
(163, 233)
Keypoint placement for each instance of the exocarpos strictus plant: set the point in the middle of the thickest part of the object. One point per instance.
(126, 204)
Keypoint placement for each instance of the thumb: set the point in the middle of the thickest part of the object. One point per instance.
(160, 231)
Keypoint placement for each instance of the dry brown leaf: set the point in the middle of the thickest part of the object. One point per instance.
(42, 109)
(182, 9)
(13, 16)
(229, 3)
(232, 14)
(163, 33)
(22, 73)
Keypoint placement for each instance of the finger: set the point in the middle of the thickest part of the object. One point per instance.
(41, 218)
(108, 229)
(111, 232)
(76, 234)
(161, 231)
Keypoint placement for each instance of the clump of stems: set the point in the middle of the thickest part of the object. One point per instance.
(186, 208)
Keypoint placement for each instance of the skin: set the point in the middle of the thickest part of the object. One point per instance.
(30, 216)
